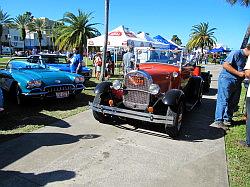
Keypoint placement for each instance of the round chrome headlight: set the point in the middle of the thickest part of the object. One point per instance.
(175, 74)
(117, 85)
(154, 89)
(79, 79)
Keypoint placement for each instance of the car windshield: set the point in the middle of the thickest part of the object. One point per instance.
(159, 56)
(54, 59)
(24, 63)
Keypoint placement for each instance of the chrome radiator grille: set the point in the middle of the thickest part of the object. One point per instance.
(136, 95)
(58, 88)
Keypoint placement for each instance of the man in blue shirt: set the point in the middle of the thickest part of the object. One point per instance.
(229, 87)
(76, 62)
(128, 60)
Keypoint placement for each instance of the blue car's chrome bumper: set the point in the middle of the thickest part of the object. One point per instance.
(53, 89)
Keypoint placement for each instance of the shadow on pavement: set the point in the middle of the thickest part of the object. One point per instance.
(212, 92)
(16, 178)
(14, 150)
(196, 124)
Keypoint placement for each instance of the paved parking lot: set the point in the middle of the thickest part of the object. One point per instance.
(81, 151)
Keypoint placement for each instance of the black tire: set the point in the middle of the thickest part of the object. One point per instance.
(177, 114)
(102, 118)
(16, 94)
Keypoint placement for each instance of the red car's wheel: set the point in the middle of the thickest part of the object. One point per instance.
(177, 114)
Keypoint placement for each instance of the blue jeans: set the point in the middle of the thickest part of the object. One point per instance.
(228, 96)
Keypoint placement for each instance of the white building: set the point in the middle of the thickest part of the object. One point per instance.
(12, 38)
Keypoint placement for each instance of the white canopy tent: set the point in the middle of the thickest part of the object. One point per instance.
(119, 37)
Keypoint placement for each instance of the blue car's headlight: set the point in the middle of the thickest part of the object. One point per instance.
(79, 79)
(34, 83)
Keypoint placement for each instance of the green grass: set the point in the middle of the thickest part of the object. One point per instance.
(17, 120)
(238, 157)
(3, 62)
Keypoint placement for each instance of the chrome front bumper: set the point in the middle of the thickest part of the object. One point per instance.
(44, 93)
(142, 116)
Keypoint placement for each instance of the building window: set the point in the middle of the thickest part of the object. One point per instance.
(6, 37)
(16, 38)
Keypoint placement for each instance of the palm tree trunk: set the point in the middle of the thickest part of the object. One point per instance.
(1, 32)
(40, 45)
(102, 76)
(246, 38)
(24, 45)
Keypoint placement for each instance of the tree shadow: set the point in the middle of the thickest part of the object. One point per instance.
(40, 113)
(14, 150)
(90, 84)
(16, 178)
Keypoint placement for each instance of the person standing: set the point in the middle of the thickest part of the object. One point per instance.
(98, 64)
(76, 62)
(229, 87)
(128, 60)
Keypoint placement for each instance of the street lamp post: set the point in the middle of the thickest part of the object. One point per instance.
(102, 77)
(9, 38)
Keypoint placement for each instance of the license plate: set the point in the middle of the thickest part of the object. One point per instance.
(62, 94)
(136, 80)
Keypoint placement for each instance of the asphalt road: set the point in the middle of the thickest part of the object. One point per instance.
(80, 151)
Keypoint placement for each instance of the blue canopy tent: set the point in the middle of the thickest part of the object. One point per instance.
(159, 38)
(218, 50)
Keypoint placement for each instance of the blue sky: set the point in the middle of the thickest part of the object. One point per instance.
(163, 17)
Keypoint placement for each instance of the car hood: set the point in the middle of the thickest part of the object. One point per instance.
(46, 76)
(66, 67)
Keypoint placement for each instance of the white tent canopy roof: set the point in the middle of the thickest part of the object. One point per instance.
(119, 37)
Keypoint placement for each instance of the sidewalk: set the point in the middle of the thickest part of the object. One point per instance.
(81, 152)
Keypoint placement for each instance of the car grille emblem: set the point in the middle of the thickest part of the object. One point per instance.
(58, 81)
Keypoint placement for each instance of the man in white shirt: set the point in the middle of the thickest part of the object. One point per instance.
(247, 74)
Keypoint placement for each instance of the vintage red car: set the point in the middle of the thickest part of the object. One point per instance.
(159, 91)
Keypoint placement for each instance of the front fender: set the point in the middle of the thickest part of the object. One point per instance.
(102, 87)
(172, 97)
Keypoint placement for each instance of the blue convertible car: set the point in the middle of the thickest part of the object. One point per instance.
(22, 78)
(60, 62)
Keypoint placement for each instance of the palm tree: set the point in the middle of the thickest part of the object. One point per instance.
(5, 20)
(202, 36)
(247, 34)
(38, 25)
(176, 39)
(22, 22)
(54, 32)
(242, 2)
(76, 31)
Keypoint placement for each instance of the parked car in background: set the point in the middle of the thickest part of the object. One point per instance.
(20, 53)
(1, 101)
(23, 78)
(60, 62)
(158, 91)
